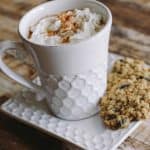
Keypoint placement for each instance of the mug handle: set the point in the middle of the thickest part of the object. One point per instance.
(5, 45)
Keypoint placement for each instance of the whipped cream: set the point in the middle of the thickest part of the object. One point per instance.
(66, 27)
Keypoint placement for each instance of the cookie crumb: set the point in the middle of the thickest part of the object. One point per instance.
(127, 97)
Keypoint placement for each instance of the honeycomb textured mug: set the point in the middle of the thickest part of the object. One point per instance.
(76, 97)
(73, 75)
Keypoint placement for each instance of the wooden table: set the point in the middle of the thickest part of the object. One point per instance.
(130, 37)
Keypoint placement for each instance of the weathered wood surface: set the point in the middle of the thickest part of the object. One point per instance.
(130, 37)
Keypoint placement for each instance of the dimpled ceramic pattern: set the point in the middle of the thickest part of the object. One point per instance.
(76, 97)
(87, 134)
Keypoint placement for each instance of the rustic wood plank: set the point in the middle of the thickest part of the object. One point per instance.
(143, 3)
(129, 15)
(142, 134)
(133, 144)
(10, 16)
(8, 28)
(139, 139)
(131, 35)
(129, 49)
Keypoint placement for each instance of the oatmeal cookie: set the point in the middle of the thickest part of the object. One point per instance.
(128, 94)
(128, 69)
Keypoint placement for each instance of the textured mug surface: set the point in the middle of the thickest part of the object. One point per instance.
(76, 97)
(73, 76)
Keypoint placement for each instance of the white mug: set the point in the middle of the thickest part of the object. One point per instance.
(73, 76)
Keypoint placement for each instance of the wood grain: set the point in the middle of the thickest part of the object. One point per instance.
(130, 37)
(9, 87)
(130, 15)
(142, 3)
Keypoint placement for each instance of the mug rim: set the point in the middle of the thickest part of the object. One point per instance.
(108, 22)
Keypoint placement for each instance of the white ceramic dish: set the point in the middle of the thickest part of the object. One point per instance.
(88, 134)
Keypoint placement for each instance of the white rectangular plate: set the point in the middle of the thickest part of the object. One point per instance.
(88, 134)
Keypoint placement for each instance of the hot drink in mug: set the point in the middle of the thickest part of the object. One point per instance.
(68, 41)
